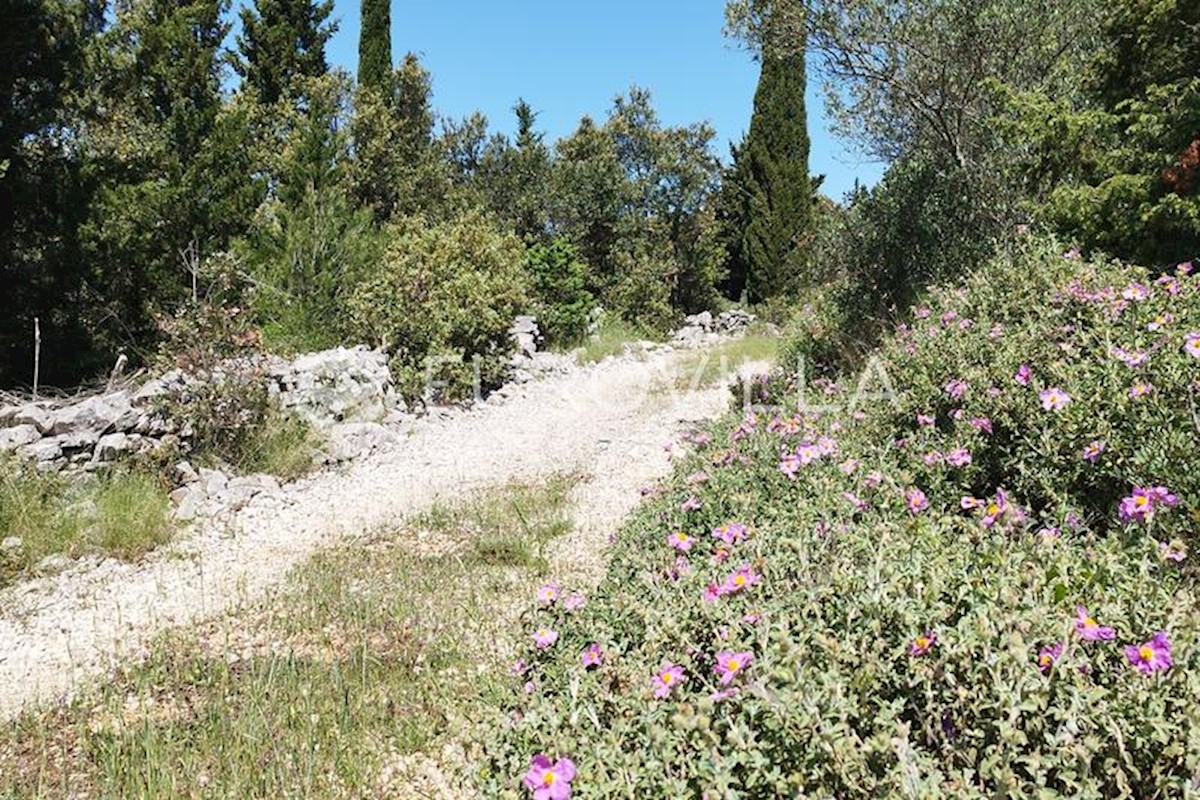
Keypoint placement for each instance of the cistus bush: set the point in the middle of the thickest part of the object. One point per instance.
(946, 595)
(444, 297)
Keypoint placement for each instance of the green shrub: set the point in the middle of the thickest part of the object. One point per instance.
(281, 445)
(564, 305)
(847, 569)
(448, 292)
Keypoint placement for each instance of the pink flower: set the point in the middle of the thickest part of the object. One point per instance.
(1054, 399)
(1048, 656)
(982, 424)
(548, 593)
(518, 668)
(926, 420)
(916, 500)
(666, 679)
(789, 464)
(968, 502)
(1142, 504)
(1089, 630)
(959, 458)
(691, 504)
(1152, 656)
(545, 637)
(933, 458)
(730, 665)
(1135, 291)
(743, 579)
(711, 593)
(1141, 389)
(724, 694)
(922, 644)
(730, 532)
(1174, 550)
(808, 452)
(1192, 344)
(593, 655)
(680, 541)
(848, 466)
(1093, 451)
(873, 479)
(855, 500)
(550, 781)
(698, 477)
(1024, 375)
(575, 601)
(956, 388)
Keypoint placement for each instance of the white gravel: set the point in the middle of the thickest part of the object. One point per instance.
(609, 422)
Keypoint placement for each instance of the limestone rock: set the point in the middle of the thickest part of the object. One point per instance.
(12, 438)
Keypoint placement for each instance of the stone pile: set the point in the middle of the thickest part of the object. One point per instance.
(703, 328)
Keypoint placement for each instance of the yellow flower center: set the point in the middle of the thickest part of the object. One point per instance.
(1146, 653)
(993, 510)
(1140, 501)
(740, 580)
(1046, 660)
(734, 665)
(548, 778)
(922, 642)
(681, 537)
(1090, 623)
(667, 677)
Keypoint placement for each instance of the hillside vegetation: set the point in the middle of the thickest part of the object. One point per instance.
(981, 586)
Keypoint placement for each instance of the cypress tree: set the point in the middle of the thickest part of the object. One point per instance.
(375, 45)
(282, 40)
(780, 192)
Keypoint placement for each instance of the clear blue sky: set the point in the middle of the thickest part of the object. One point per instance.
(568, 58)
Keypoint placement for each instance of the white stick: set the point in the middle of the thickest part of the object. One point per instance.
(37, 354)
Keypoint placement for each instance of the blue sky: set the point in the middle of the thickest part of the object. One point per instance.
(568, 58)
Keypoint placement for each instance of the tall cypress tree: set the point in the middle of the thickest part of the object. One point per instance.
(781, 194)
(282, 40)
(375, 45)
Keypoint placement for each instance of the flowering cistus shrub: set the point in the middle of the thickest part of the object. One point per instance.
(980, 590)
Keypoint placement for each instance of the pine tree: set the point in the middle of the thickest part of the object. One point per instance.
(780, 190)
(375, 45)
(282, 40)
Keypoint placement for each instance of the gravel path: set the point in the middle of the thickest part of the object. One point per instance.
(609, 422)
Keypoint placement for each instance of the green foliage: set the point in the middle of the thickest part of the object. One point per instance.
(1117, 167)
(375, 45)
(395, 170)
(122, 514)
(448, 292)
(281, 445)
(559, 287)
(779, 193)
(282, 40)
(132, 514)
(834, 702)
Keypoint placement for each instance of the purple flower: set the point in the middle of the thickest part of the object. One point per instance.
(1152, 656)
(680, 541)
(1141, 505)
(666, 679)
(1174, 550)
(808, 452)
(968, 502)
(926, 420)
(873, 479)
(545, 637)
(1089, 630)
(1024, 375)
(593, 655)
(730, 665)
(1192, 344)
(743, 579)
(956, 388)
(573, 602)
(518, 668)
(1135, 291)
(855, 500)
(848, 466)
(548, 593)
(982, 424)
(922, 644)
(730, 532)
(711, 593)
(960, 457)
(789, 464)
(1141, 389)
(691, 504)
(698, 477)
(1050, 533)
(1093, 451)
(1048, 656)
(916, 500)
(933, 458)
(1054, 399)
(550, 781)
